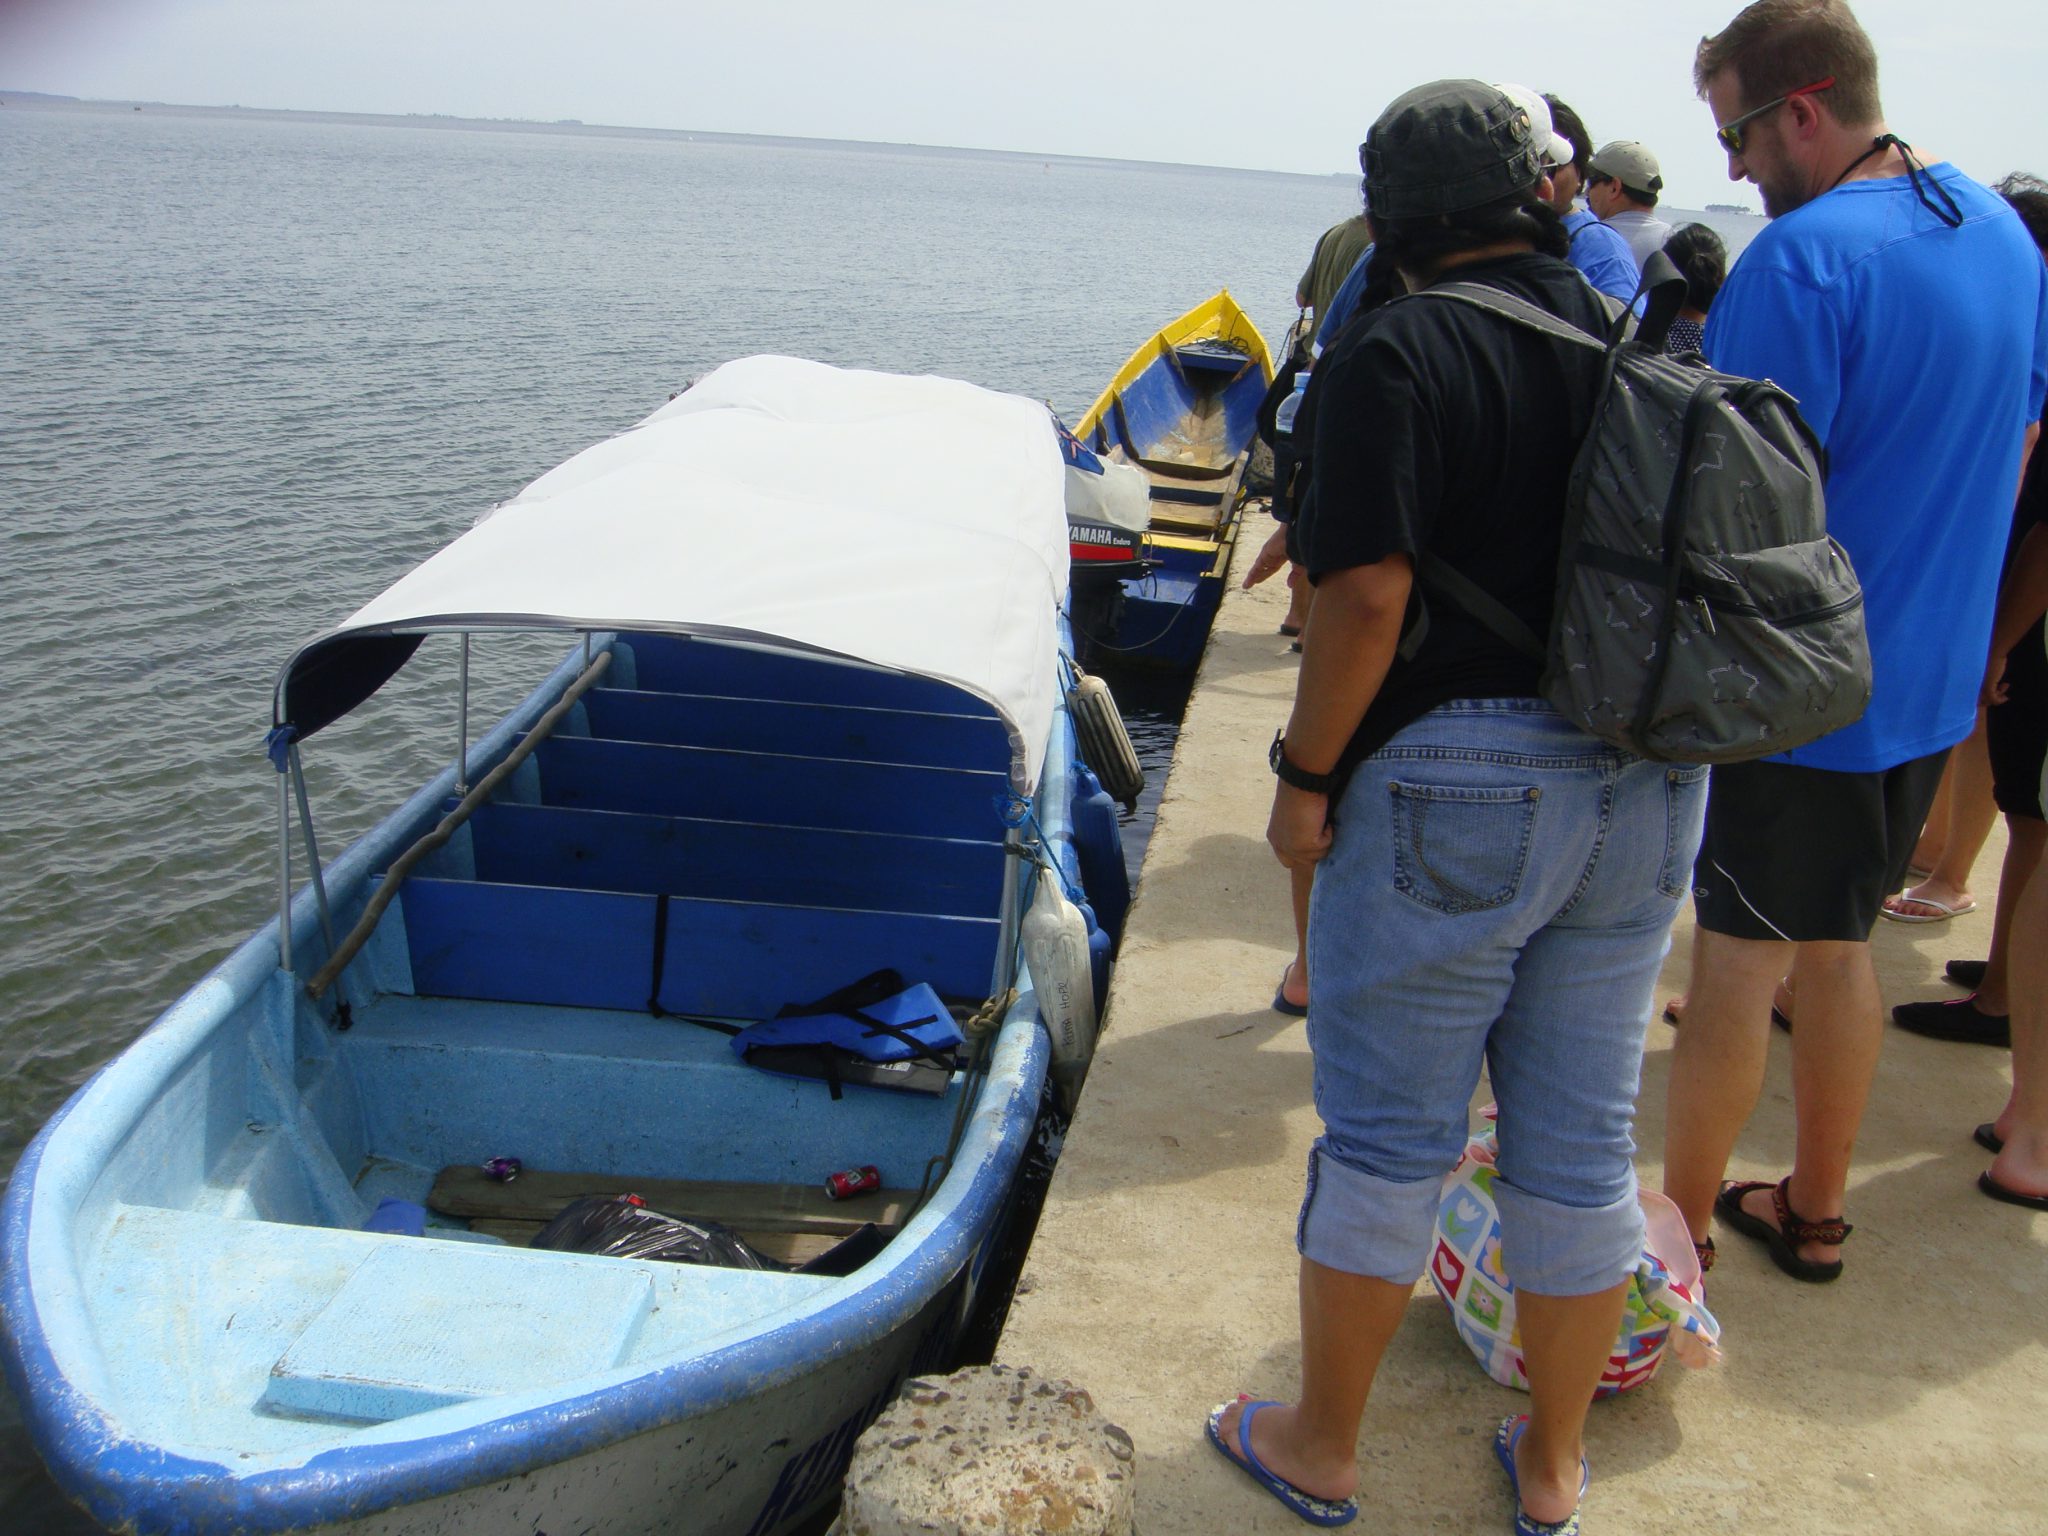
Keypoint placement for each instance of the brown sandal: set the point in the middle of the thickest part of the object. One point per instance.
(1783, 1240)
(1703, 1250)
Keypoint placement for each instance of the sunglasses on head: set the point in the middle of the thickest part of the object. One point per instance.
(1730, 133)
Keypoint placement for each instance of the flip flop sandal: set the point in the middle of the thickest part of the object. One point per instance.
(2009, 1195)
(1290, 630)
(1310, 1508)
(1942, 912)
(1280, 1002)
(1704, 1252)
(1783, 1239)
(1987, 1137)
(1505, 1439)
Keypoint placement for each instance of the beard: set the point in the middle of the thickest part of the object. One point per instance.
(1781, 195)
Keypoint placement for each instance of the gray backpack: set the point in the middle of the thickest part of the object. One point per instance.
(1703, 614)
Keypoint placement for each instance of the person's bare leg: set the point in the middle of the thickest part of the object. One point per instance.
(1934, 831)
(1970, 810)
(1717, 1066)
(1298, 593)
(2023, 1164)
(1565, 1344)
(1294, 985)
(1834, 1058)
(2026, 839)
(1347, 1322)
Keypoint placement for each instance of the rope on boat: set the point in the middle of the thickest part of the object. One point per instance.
(403, 865)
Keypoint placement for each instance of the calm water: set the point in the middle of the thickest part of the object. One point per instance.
(261, 364)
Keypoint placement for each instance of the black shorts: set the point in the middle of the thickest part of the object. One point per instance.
(1806, 853)
(1294, 554)
(2016, 732)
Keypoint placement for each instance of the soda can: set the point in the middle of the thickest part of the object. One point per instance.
(854, 1181)
(503, 1169)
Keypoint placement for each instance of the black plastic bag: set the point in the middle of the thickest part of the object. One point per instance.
(622, 1227)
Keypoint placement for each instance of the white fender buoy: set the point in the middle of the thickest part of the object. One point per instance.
(1056, 954)
(1105, 744)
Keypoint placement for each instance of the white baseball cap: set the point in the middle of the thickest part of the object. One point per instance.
(1553, 146)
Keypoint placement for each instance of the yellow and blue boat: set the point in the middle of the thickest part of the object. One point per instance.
(1183, 410)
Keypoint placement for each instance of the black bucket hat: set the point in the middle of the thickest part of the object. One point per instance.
(1446, 147)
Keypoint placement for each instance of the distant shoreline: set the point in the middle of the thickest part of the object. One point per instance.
(573, 126)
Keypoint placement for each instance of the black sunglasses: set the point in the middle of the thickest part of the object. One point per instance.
(1730, 133)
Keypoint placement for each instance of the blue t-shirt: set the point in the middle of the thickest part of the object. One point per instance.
(1919, 355)
(1602, 255)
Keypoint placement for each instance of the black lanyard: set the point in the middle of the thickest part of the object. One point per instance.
(1947, 210)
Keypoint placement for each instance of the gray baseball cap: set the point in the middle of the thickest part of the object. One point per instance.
(1631, 165)
(1446, 147)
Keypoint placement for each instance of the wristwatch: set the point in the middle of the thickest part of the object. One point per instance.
(1295, 776)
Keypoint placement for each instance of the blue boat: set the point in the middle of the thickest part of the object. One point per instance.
(1183, 409)
(274, 1269)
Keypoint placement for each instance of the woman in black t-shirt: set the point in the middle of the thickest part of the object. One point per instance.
(1492, 886)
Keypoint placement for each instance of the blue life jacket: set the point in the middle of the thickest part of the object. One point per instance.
(876, 1031)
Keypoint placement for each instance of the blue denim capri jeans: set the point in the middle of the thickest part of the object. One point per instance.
(1499, 890)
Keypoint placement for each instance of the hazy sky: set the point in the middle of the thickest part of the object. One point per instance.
(1279, 85)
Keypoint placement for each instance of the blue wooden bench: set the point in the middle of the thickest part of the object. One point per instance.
(678, 664)
(927, 737)
(723, 959)
(770, 788)
(736, 861)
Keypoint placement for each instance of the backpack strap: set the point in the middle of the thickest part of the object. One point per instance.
(1662, 295)
(1440, 576)
(1518, 311)
(1433, 573)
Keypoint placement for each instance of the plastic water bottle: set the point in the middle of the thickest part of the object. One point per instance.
(1283, 418)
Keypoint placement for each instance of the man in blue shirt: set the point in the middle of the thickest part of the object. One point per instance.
(1906, 309)
(1599, 251)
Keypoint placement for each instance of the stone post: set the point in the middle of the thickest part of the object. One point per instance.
(989, 1451)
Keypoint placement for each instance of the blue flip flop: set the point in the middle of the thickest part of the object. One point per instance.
(1280, 1003)
(1505, 1439)
(1310, 1508)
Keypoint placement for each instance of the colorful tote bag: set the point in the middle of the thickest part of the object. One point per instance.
(1664, 1315)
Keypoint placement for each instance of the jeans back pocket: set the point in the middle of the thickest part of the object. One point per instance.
(1459, 849)
(1685, 809)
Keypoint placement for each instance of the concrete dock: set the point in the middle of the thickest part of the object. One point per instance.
(1910, 1396)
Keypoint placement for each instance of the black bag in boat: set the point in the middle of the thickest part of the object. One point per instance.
(622, 1227)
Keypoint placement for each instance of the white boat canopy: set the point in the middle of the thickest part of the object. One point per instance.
(916, 524)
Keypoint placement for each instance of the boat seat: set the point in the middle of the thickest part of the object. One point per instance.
(681, 664)
(329, 1324)
(928, 738)
(1224, 360)
(765, 787)
(426, 1325)
(615, 1092)
(720, 959)
(565, 846)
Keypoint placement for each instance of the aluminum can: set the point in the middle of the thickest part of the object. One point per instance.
(854, 1181)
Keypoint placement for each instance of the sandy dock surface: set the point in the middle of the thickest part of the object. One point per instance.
(1911, 1396)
